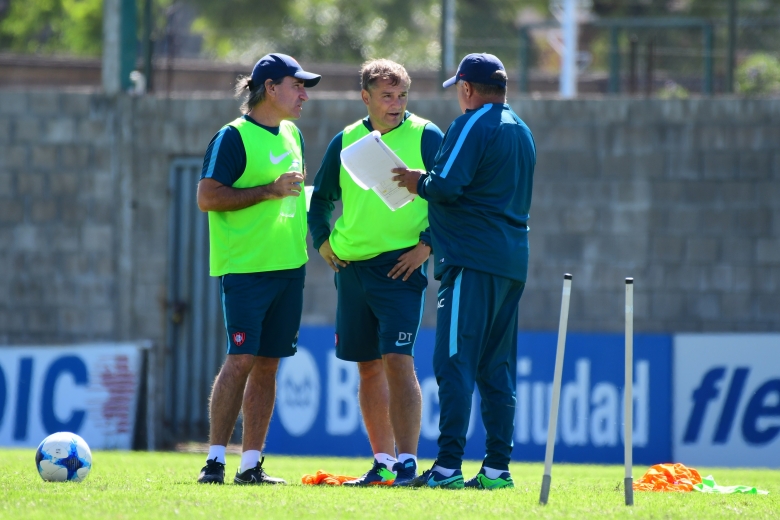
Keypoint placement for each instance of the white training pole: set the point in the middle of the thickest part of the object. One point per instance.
(628, 408)
(551, 429)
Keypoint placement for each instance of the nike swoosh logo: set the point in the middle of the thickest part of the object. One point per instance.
(442, 291)
(435, 483)
(277, 160)
(399, 344)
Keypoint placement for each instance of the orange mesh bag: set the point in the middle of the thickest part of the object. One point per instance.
(325, 478)
(668, 477)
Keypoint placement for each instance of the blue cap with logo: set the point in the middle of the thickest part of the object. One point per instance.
(275, 66)
(479, 68)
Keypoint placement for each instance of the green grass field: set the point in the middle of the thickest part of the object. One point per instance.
(162, 485)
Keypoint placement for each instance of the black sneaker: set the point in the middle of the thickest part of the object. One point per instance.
(405, 472)
(256, 475)
(212, 473)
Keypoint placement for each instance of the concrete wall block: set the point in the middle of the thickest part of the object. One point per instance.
(14, 156)
(702, 250)
(758, 137)
(11, 211)
(705, 306)
(765, 193)
(43, 210)
(738, 250)
(61, 183)
(93, 131)
(13, 102)
(721, 277)
(97, 238)
(28, 183)
(684, 165)
(73, 210)
(73, 320)
(625, 221)
(753, 222)
(720, 165)
(75, 157)
(667, 249)
(25, 290)
(25, 237)
(579, 220)
(680, 221)
(75, 104)
(565, 137)
(44, 157)
(768, 251)
(667, 305)
(633, 139)
(766, 307)
(26, 130)
(6, 184)
(44, 102)
(766, 279)
(678, 137)
(649, 166)
(755, 165)
(615, 166)
(547, 164)
(776, 165)
(716, 137)
(59, 130)
(102, 186)
(64, 239)
(5, 130)
(738, 307)
(41, 319)
(581, 165)
(740, 193)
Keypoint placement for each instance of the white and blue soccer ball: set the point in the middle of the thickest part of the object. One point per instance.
(62, 457)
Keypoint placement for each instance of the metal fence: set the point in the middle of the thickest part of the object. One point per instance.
(195, 333)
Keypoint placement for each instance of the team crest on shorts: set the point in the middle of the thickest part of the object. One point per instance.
(238, 338)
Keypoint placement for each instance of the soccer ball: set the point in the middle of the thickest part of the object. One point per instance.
(63, 456)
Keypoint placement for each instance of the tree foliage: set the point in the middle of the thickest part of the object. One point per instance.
(72, 26)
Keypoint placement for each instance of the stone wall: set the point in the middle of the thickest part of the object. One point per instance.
(682, 195)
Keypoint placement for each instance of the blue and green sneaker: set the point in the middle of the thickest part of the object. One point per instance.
(480, 481)
(434, 479)
(378, 475)
(405, 472)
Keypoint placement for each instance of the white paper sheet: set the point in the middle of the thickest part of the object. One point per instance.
(369, 161)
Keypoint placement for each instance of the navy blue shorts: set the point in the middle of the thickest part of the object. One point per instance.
(377, 315)
(262, 314)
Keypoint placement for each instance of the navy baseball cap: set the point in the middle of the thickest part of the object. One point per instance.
(275, 66)
(479, 68)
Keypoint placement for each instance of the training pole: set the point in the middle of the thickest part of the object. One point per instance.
(628, 407)
(551, 429)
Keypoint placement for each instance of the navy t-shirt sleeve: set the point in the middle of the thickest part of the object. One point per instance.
(225, 159)
(327, 190)
(429, 146)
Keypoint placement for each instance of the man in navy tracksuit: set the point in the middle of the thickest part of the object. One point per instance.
(479, 196)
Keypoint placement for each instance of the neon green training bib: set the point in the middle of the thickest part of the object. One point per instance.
(367, 227)
(258, 239)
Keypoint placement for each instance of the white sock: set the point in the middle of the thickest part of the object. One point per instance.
(447, 472)
(217, 453)
(403, 457)
(249, 460)
(492, 473)
(387, 460)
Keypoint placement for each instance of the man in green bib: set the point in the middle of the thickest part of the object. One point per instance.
(250, 186)
(380, 259)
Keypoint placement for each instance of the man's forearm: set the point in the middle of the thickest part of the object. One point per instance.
(227, 198)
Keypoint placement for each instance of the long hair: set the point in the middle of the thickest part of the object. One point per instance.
(256, 93)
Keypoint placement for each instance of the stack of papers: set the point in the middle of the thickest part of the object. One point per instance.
(369, 161)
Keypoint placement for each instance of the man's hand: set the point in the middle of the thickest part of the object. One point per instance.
(410, 261)
(287, 185)
(330, 257)
(408, 179)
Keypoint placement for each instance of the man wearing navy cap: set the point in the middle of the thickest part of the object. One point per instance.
(250, 186)
(479, 196)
